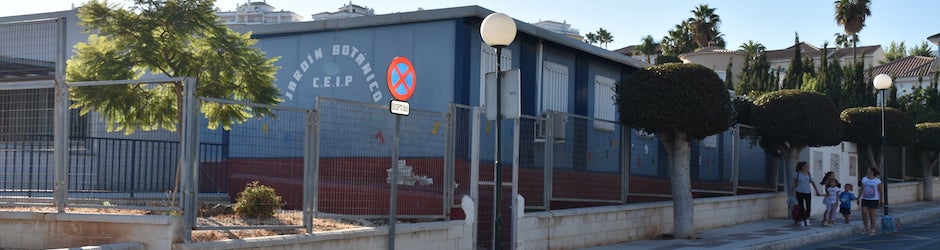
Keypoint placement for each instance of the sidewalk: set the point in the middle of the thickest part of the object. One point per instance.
(781, 233)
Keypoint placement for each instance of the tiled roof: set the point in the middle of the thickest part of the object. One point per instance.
(910, 66)
(847, 52)
(785, 54)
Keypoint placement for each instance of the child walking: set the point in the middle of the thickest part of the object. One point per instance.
(831, 201)
(845, 202)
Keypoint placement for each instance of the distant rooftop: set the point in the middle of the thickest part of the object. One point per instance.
(348, 10)
(253, 13)
(910, 66)
(560, 27)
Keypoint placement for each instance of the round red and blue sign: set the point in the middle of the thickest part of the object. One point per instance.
(401, 78)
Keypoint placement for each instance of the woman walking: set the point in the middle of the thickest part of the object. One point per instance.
(803, 182)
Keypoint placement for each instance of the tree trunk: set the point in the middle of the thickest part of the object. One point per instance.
(927, 161)
(792, 154)
(874, 157)
(677, 147)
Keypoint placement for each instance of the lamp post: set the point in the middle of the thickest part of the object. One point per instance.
(498, 30)
(882, 82)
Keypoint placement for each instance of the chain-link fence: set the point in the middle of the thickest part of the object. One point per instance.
(269, 151)
(355, 155)
(29, 67)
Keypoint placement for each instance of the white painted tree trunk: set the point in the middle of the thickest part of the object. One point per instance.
(677, 147)
(927, 162)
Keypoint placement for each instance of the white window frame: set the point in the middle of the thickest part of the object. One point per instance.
(605, 110)
(488, 65)
(555, 82)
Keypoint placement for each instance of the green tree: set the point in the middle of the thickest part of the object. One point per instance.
(679, 40)
(833, 81)
(851, 15)
(923, 103)
(604, 37)
(756, 75)
(790, 120)
(927, 141)
(855, 92)
(590, 38)
(679, 103)
(704, 25)
(647, 47)
(729, 76)
(863, 127)
(175, 38)
(842, 40)
(895, 51)
(664, 59)
(794, 77)
(921, 50)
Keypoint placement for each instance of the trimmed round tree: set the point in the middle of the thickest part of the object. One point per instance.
(788, 121)
(863, 127)
(679, 103)
(927, 141)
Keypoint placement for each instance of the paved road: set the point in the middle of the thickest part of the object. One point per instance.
(911, 235)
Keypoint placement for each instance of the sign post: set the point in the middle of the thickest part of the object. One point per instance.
(401, 80)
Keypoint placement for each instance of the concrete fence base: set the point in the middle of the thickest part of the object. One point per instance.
(28, 230)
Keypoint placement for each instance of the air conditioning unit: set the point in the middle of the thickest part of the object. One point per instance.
(551, 120)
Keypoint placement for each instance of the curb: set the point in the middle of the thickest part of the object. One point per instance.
(814, 236)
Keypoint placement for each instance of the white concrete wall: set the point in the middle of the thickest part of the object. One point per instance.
(585, 227)
(26, 230)
(432, 235)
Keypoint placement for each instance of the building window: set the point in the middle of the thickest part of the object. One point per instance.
(604, 106)
(26, 115)
(488, 65)
(554, 87)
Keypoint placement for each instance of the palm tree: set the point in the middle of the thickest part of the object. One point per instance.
(590, 38)
(704, 25)
(679, 40)
(752, 49)
(647, 47)
(842, 40)
(851, 15)
(604, 37)
(921, 50)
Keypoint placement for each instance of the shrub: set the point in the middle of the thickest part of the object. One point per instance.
(257, 201)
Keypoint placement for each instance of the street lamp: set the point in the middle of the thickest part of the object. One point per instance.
(498, 31)
(882, 82)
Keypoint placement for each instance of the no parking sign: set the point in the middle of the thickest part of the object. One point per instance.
(401, 80)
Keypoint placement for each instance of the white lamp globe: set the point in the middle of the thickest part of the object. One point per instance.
(882, 81)
(498, 29)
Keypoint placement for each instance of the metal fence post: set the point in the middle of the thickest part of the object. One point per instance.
(516, 207)
(311, 166)
(626, 139)
(450, 148)
(475, 168)
(735, 162)
(549, 159)
(61, 122)
(188, 158)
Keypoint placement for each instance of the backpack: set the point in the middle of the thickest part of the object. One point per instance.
(797, 213)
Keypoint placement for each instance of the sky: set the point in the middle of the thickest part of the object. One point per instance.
(771, 23)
